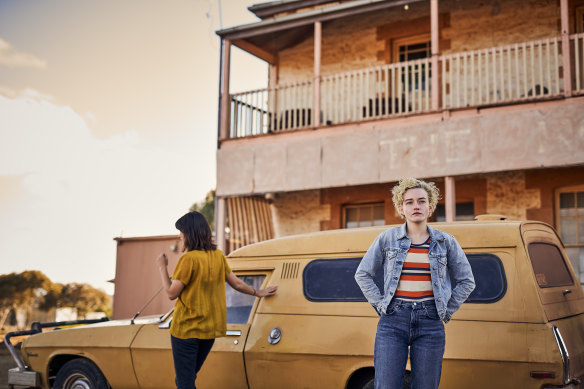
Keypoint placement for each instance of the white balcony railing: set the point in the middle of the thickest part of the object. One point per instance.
(577, 44)
(262, 111)
(500, 75)
(382, 91)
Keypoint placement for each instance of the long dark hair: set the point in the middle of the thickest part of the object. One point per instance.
(196, 230)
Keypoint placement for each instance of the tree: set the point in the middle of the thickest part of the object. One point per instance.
(18, 290)
(85, 298)
(207, 208)
(32, 289)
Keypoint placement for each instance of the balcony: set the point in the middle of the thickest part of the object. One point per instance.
(512, 74)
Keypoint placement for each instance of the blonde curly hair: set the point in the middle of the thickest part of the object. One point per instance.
(404, 184)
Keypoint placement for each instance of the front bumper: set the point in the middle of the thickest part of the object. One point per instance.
(21, 377)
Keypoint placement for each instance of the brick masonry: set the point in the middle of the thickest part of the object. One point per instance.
(362, 42)
(518, 195)
(298, 212)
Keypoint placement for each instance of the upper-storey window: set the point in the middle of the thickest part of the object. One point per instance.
(570, 223)
(410, 49)
(363, 215)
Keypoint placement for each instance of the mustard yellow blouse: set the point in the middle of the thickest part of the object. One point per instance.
(199, 310)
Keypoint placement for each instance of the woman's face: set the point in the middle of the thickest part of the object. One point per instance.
(416, 207)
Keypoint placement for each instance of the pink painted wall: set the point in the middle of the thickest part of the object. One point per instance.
(137, 277)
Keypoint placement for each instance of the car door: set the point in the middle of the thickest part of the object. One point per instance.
(560, 292)
(224, 367)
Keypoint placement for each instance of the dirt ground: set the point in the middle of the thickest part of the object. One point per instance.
(6, 362)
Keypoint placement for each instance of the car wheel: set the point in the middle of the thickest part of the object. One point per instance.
(407, 380)
(80, 374)
(369, 384)
(407, 384)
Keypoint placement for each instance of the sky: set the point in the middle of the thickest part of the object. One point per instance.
(108, 125)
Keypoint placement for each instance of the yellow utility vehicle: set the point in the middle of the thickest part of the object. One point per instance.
(522, 327)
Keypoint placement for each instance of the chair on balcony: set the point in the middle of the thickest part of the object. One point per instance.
(291, 118)
(377, 107)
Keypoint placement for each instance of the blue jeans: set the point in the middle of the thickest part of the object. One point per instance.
(413, 325)
(188, 356)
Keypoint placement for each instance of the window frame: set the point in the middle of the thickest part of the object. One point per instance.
(558, 222)
(372, 204)
(408, 41)
(566, 268)
(559, 191)
(316, 299)
(458, 214)
(246, 273)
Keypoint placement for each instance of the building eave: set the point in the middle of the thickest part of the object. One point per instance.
(268, 9)
(305, 18)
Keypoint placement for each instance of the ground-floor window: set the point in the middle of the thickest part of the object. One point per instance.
(570, 224)
(464, 211)
(363, 215)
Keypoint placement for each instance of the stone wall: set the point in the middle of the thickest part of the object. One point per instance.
(362, 42)
(298, 212)
(481, 24)
(507, 195)
(347, 44)
(518, 195)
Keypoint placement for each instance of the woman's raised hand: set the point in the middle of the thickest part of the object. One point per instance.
(162, 260)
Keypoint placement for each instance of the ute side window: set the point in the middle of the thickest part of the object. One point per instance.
(334, 280)
(238, 304)
(548, 265)
(489, 275)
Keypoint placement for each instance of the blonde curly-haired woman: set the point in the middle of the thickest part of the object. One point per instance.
(426, 279)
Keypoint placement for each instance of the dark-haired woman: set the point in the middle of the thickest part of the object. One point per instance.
(198, 285)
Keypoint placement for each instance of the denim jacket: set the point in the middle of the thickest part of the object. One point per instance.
(448, 266)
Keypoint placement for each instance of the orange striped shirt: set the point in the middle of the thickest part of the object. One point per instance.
(415, 282)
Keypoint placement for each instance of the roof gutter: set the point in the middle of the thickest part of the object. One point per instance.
(305, 18)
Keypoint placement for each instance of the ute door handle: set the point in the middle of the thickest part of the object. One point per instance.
(233, 333)
(565, 292)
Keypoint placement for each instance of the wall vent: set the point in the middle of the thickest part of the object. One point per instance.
(290, 270)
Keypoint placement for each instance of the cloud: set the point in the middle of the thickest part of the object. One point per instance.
(13, 58)
(71, 193)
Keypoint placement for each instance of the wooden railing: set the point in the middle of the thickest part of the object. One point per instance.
(262, 111)
(382, 91)
(577, 45)
(499, 75)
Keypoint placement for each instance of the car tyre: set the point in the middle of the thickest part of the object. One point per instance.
(407, 384)
(369, 384)
(80, 374)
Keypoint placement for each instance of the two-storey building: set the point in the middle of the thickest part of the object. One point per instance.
(483, 97)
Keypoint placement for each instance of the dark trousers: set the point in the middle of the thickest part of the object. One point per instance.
(188, 356)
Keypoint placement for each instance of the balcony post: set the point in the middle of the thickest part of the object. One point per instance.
(450, 198)
(566, 57)
(273, 82)
(225, 106)
(316, 82)
(435, 37)
(220, 219)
